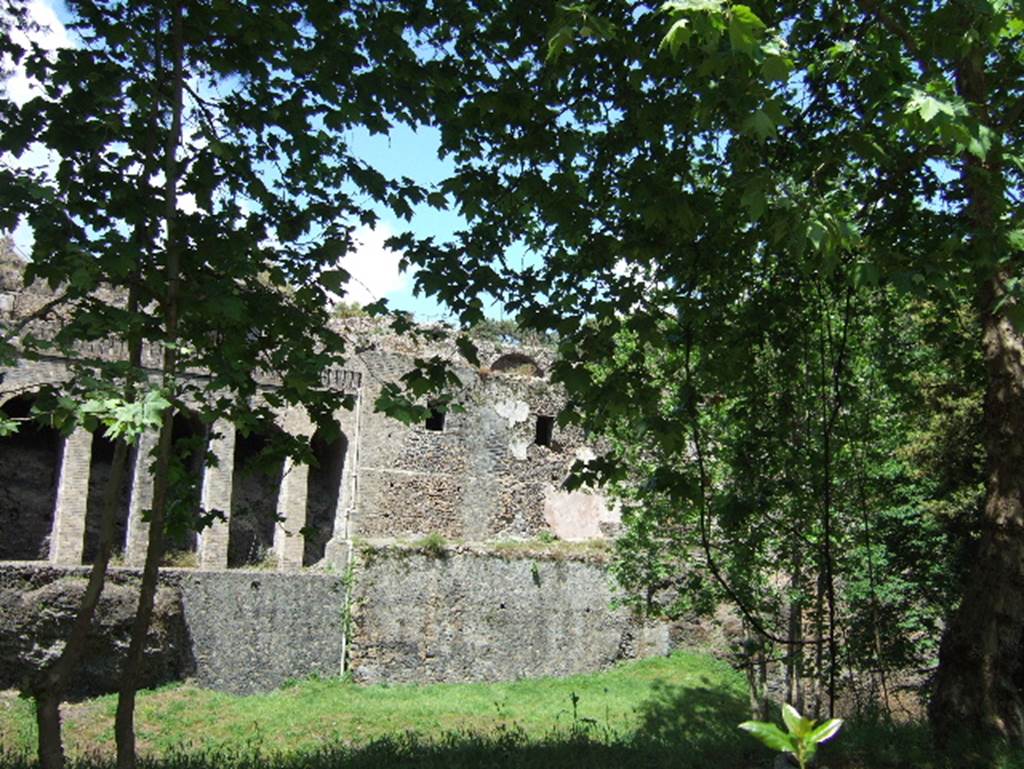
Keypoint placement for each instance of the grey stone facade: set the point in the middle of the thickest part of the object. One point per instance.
(481, 476)
(492, 471)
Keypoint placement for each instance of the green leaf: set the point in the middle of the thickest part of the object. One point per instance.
(776, 68)
(980, 142)
(865, 274)
(334, 280)
(745, 30)
(760, 125)
(798, 725)
(676, 37)
(754, 199)
(770, 736)
(467, 350)
(928, 106)
(826, 731)
(817, 233)
(558, 42)
(1016, 239)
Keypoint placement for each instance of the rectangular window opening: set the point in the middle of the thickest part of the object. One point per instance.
(435, 422)
(545, 430)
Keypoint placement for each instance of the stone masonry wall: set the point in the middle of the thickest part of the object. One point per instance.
(415, 618)
(470, 616)
(242, 631)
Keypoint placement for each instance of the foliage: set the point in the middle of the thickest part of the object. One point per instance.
(731, 212)
(198, 195)
(801, 738)
(433, 545)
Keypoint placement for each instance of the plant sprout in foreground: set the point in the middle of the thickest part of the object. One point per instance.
(803, 736)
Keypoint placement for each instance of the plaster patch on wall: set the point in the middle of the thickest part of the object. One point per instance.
(585, 454)
(514, 411)
(577, 515)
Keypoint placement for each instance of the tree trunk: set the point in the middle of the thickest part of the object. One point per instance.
(980, 671)
(49, 686)
(124, 721)
(978, 686)
(51, 743)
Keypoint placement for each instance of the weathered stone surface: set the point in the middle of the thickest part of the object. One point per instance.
(251, 631)
(38, 606)
(471, 615)
(238, 631)
(474, 617)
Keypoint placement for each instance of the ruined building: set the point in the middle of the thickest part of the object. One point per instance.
(319, 569)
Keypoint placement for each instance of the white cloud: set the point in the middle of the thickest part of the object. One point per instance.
(51, 35)
(372, 265)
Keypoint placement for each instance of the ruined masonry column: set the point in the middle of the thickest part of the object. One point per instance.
(142, 499)
(216, 495)
(67, 538)
(289, 544)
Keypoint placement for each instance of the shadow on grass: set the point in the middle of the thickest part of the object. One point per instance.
(698, 723)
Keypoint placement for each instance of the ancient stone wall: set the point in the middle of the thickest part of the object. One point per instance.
(475, 616)
(491, 469)
(412, 617)
(474, 478)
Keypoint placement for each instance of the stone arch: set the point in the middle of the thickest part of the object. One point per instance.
(256, 485)
(323, 491)
(30, 461)
(517, 363)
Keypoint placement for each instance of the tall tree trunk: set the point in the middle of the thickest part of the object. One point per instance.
(124, 721)
(49, 686)
(980, 671)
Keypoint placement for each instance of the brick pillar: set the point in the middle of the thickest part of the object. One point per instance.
(216, 495)
(142, 499)
(289, 543)
(67, 538)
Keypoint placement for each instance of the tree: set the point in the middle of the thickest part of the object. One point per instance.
(664, 167)
(202, 193)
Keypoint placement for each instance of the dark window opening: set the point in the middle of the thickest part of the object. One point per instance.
(435, 422)
(323, 493)
(30, 461)
(256, 484)
(545, 430)
(101, 468)
(189, 436)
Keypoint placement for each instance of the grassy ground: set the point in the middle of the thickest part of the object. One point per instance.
(678, 712)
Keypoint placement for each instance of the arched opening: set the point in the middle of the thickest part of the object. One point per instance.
(517, 363)
(100, 469)
(256, 485)
(323, 492)
(29, 466)
(190, 437)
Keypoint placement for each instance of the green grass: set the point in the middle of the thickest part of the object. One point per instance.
(655, 697)
(679, 712)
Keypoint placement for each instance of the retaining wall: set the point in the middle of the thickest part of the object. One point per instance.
(414, 618)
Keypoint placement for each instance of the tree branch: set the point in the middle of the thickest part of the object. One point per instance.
(896, 27)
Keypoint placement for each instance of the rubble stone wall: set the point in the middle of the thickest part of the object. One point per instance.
(410, 617)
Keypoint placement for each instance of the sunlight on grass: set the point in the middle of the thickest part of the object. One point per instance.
(307, 715)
